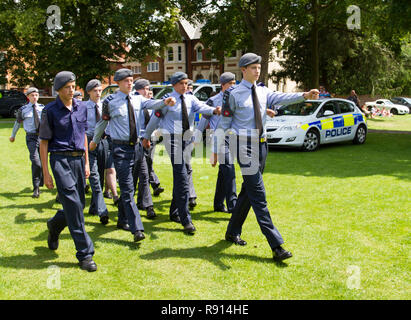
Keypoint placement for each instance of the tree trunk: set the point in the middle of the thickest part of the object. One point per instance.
(261, 47)
(315, 59)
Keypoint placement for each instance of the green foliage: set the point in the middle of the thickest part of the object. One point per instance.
(92, 33)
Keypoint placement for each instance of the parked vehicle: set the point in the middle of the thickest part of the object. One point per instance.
(11, 101)
(403, 101)
(387, 104)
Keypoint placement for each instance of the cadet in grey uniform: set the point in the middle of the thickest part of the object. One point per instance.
(226, 186)
(140, 172)
(175, 124)
(244, 112)
(124, 113)
(94, 111)
(30, 116)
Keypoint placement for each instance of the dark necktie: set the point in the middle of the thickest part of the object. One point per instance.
(146, 117)
(184, 115)
(36, 119)
(131, 121)
(257, 112)
(98, 115)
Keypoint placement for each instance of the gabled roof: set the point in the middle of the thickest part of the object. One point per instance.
(192, 31)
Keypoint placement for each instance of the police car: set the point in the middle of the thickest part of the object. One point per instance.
(310, 123)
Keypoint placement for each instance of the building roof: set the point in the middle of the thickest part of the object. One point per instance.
(193, 31)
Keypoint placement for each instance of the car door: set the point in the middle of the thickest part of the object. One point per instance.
(348, 125)
(326, 117)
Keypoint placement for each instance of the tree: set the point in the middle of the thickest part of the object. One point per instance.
(249, 25)
(92, 34)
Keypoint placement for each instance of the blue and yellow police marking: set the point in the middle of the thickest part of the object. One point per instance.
(347, 120)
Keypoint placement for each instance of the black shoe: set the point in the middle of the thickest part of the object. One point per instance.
(87, 188)
(280, 254)
(88, 265)
(53, 238)
(104, 220)
(175, 218)
(107, 195)
(116, 200)
(223, 209)
(157, 191)
(36, 193)
(189, 228)
(235, 239)
(150, 213)
(192, 203)
(125, 226)
(138, 236)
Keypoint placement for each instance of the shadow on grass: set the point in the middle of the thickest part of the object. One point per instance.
(382, 154)
(40, 260)
(213, 254)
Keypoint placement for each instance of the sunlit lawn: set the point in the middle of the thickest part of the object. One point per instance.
(344, 212)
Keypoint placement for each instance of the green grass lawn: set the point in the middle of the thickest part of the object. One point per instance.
(344, 212)
(395, 123)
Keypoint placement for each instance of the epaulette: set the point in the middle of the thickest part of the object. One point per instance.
(261, 84)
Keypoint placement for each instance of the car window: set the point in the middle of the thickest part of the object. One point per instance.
(330, 106)
(345, 107)
(204, 93)
(380, 102)
(298, 109)
(163, 92)
(395, 100)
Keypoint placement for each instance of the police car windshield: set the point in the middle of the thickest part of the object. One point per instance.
(299, 109)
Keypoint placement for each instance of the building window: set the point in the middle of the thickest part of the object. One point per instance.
(153, 67)
(199, 53)
(170, 54)
(234, 54)
(180, 54)
(136, 69)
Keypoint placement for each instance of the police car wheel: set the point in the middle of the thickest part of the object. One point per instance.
(360, 135)
(311, 141)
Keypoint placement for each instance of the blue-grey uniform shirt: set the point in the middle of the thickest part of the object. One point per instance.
(25, 115)
(238, 114)
(215, 101)
(91, 115)
(64, 129)
(171, 118)
(115, 111)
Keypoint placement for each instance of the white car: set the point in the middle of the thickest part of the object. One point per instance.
(310, 123)
(387, 104)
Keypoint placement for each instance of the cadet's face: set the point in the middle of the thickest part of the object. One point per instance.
(251, 73)
(145, 92)
(126, 85)
(95, 94)
(33, 97)
(227, 85)
(181, 86)
(67, 92)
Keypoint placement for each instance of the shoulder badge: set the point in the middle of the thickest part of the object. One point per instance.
(105, 112)
(158, 114)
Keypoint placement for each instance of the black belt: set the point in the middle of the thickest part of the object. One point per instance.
(69, 153)
(125, 142)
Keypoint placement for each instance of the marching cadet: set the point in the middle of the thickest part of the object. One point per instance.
(124, 112)
(94, 110)
(140, 172)
(244, 111)
(30, 116)
(63, 135)
(175, 123)
(226, 186)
